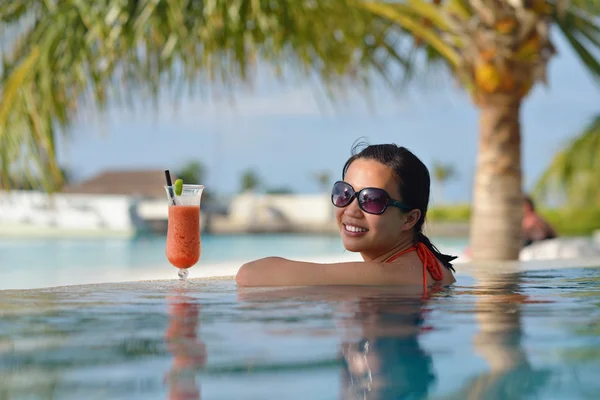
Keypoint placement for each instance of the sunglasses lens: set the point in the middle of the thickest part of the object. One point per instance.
(342, 194)
(373, 200)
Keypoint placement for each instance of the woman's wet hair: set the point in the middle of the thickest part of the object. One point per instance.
(413, 183)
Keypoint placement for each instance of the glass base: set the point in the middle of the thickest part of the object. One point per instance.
(183, 273)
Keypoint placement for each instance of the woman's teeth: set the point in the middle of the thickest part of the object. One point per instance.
(352, 228)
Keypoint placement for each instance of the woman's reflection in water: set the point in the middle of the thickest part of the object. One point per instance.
(381, 354)
(387, 362)
(189, 352)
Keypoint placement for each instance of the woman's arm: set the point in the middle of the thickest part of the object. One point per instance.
(277, 271)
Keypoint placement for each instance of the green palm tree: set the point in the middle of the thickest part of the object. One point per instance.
(442, 173)
(67, 52)
(193, 172)
(249, 181)
(61, 55)
(497, 50)
(574, 173)
(323, 179)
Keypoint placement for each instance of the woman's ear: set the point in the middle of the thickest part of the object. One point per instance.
(412, 217)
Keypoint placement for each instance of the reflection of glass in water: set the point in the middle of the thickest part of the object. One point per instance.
(388, 362)
(189, 353)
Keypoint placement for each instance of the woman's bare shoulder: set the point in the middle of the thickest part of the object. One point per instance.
(277, 271)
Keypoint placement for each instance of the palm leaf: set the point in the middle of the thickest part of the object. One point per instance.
(573, 173)
(91, 54)
(581, 29)
(11, 93)
(410, 16)
(112, 51)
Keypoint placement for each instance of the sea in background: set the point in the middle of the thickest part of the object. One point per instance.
(36, 263)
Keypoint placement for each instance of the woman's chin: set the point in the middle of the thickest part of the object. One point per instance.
(352, 245)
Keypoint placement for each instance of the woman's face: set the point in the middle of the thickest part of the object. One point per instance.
(368, 233)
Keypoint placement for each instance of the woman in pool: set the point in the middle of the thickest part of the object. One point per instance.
(380, 208)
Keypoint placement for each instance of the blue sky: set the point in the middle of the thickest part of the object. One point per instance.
(285, 132)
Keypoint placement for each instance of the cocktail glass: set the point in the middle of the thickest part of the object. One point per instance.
(183, 231)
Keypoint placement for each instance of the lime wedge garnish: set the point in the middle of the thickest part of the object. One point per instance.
(178, 187)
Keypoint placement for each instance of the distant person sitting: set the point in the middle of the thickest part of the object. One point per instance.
(535, 228)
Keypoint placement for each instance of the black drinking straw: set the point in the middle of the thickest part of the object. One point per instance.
(170, 186)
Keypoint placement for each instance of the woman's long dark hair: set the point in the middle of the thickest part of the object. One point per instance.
(413, 180)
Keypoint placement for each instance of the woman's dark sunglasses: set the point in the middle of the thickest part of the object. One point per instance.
(370, 200)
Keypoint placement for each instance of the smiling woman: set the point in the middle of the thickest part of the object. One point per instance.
(391, 187)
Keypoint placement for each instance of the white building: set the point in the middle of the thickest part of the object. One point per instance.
(30, 213)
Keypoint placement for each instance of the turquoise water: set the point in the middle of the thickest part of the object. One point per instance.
(490, 336)
(36, 263)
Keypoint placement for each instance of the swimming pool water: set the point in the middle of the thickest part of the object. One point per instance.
(489, 336)
(37, 263)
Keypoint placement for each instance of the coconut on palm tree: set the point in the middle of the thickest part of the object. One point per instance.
(497, 50)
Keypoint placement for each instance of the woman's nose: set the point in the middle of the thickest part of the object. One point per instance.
(353, 210)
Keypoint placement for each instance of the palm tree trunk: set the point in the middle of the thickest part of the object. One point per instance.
(499, 340)
(498, 198)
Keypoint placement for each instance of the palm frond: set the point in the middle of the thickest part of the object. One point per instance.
(573, 173)
(105, 51)
(410, 17)
(581, 29)
(108, 51)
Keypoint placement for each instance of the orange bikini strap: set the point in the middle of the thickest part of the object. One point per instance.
(430, 263)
